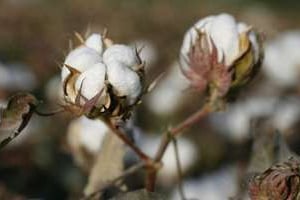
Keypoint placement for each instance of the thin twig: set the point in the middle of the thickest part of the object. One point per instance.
(125, 174)
(167, 138)
(127, 141)
(179, 169)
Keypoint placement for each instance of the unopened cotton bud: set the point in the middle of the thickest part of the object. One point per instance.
(219, 54)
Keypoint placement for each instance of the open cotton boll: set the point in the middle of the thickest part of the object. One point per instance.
(125, 82)
(169, 92)
(219, 185)
(168, 173)
(122, 54)
(95, 41)
(282, 59)
(116, 75)
(81, 59)
(92, 81)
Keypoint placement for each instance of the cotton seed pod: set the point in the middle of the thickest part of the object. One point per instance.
(219, 54)
(102, 79)
(281, 181)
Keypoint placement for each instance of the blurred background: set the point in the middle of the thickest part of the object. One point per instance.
(34, 40)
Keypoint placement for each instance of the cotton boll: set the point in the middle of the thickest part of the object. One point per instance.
(117, 76)
(81, 59)
(92, 81)
(282, 59)
(94, 41)
(125, 82)
(122, 54)
(219, 185)
(212, 46)
(187, 153)
(169, 92)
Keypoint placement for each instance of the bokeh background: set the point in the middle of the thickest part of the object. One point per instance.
(34, 39)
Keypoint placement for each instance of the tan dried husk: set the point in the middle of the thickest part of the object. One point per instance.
(245, 67)
(279, 182)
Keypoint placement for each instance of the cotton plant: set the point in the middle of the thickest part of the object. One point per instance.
(219, 56)
(104, 81)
